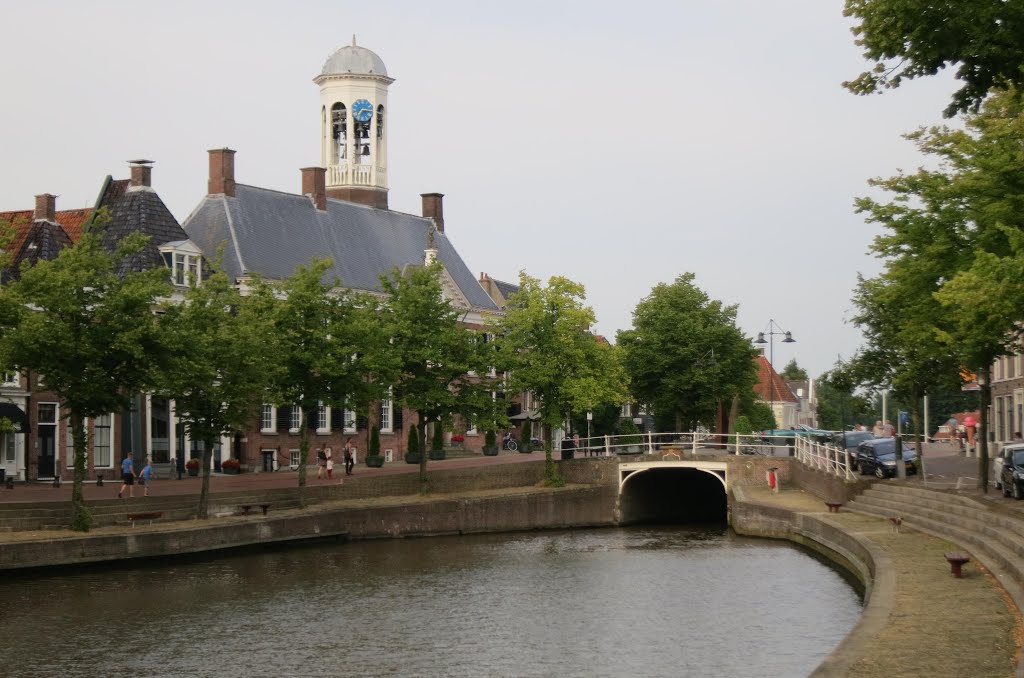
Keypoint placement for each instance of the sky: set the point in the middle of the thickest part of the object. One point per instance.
(617, 144)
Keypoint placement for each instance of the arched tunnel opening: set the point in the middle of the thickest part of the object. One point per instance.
(673, 495)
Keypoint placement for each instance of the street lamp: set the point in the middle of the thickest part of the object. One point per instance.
(771, 330)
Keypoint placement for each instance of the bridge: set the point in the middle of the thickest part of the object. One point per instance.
(673, 489)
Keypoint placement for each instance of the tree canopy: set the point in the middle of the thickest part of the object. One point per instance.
(793, 372)
(685, 353)
(909, 39)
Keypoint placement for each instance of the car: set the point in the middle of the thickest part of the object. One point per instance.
(850, 441)
(1000, 460)
(878, 456)
(1012, 474)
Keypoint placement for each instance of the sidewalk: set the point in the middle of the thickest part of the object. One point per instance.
(43, 491)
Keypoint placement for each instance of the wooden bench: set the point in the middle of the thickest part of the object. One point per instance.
(150, 516)
(956, 561)
(833, 506)
(246, 508)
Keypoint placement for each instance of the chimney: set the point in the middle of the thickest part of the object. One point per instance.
(46, 208)
(222, 172)
(314, 185)
(142, 173)
(434, 209)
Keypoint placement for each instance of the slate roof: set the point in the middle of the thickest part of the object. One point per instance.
(47, 238)
(139, 210)
(272, 233)
(507, 289)
(770, 387)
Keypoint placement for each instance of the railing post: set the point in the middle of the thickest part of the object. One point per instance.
(694, 449)
(650, 442)
(607, 446)
(846, 465)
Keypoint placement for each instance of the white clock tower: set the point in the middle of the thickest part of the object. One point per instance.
(353, 134)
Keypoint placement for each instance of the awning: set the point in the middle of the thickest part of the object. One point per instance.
(523, 416)
(16, 416)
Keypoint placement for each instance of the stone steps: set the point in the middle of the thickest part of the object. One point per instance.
(997, 539)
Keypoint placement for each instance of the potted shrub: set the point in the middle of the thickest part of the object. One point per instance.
(437, 443)
(458, 440)
(490, 444)
(229, 466)
(412, 450)
(374, 458)
(192, 466)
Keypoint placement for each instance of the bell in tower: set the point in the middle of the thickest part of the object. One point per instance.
(353, 139)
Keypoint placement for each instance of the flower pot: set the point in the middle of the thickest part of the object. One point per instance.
(412, 457)
(375, 460)
(438, 454)
(193, 471)
(229, 470)
(491, 451)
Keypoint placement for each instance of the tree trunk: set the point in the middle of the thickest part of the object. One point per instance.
(422, 435)
(204, 489)
(81, 519)
(986, 400)
(303, 455)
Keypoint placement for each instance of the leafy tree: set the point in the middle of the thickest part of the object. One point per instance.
(223, 361)
(330, 346)
(92, 334)
(438, 364)
(685, 355)
(546, 347)
(909, 39)
(839, 405)
(793, 372)
(413, 446)
(759, 415)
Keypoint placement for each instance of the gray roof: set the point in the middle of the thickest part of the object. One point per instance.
(272, 233)
(507, 289)
(354, 59)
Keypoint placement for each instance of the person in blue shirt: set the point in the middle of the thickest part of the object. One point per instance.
(127, 477)
(145, 476)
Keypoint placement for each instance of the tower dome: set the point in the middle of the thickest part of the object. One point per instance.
(354, 59)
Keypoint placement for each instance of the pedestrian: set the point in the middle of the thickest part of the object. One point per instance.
(888, 429)
(127, 477)
(877, 430)
(145, 477)
(576, 441)
(350, 461)
(321, 461)
(329, 465)
(952, 425)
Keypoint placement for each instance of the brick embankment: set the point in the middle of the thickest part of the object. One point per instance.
(918, 619)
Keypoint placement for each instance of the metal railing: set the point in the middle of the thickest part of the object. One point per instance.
(824, 457)
(691, 443)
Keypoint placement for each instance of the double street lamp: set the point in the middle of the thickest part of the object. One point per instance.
(773, 330)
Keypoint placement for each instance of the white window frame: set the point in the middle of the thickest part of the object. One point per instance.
(626, 410)
(471, 429)
(293, 459)
(323, 418)
(8, 448)
(94, 438)
(349, 421)
(69, 443)
(10, 379)
(268, 409)
(296, 419)
(387, 415)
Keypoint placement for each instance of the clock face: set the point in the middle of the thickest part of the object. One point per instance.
(362, 110)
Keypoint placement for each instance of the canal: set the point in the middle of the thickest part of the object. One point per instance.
(639, 601)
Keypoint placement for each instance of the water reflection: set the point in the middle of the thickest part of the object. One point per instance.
(615, 602)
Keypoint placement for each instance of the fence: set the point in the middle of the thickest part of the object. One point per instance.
(688, 442)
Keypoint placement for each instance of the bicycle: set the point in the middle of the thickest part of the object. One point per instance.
(511, 445)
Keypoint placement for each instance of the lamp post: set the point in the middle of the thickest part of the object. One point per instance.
(772, 330)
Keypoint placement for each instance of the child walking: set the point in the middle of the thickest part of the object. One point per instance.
(145, 476)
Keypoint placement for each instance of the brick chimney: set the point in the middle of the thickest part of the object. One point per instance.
(314, 185)
(142, 173)
(433, 208)
(46, 208)
(222, 172)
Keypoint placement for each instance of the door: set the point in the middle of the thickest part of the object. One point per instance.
(46, 463)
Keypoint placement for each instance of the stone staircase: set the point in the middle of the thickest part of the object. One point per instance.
(993, 533)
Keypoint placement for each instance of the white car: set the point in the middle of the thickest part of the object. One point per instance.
(998, 461)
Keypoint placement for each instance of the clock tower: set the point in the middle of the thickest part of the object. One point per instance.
(353, 134)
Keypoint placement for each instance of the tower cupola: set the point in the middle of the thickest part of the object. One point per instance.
(353, 135)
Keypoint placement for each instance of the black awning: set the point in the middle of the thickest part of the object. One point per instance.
(16, 415)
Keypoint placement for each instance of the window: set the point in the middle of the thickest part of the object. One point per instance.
(471, 428)
(10, 379)
(185, 261)
(293, 458)
(102, 445)
(386, 419)
(296, 421)
(626, 410)
(69, 446)
(350, 421)
(7, 448)
(267, 419)
(323, 419)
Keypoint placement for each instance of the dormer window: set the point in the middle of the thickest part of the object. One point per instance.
(185, 262)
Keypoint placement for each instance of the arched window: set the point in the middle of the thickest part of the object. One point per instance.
(380, 122)
(339, 129)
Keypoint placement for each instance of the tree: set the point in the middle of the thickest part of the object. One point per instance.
(953, 256)
(330, 348)
(685, 356)
(439, 365)
(547, 347)
(793, 372)
(91, 334)
(839, 405)
(223, 349)
(909, 39)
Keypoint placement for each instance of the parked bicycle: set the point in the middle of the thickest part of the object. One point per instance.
(509, 443)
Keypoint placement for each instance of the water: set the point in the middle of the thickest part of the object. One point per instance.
(615, 602)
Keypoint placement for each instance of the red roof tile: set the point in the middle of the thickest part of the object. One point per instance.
(770, 387)
(70, 220)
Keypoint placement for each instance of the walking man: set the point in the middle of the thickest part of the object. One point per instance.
(350, 461)
(127, 477)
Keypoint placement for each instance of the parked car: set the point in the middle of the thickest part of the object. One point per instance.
(850, 441)
(1012, 474)
(1001, 460)
(878, 456)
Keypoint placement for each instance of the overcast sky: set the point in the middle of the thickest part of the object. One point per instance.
(619, 144)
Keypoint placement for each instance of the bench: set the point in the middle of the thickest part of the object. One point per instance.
(833, 506)
(150, 516)
(246, 508)
(956, 561)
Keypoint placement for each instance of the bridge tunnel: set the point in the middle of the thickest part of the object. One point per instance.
(673, 495)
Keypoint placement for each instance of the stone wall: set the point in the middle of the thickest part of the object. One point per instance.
(827, 486)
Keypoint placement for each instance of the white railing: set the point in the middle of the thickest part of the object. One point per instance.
(823, 457)
(690, 443)
(356, 175)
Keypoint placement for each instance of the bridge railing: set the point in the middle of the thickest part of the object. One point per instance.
(686, 443)
(824, 457)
